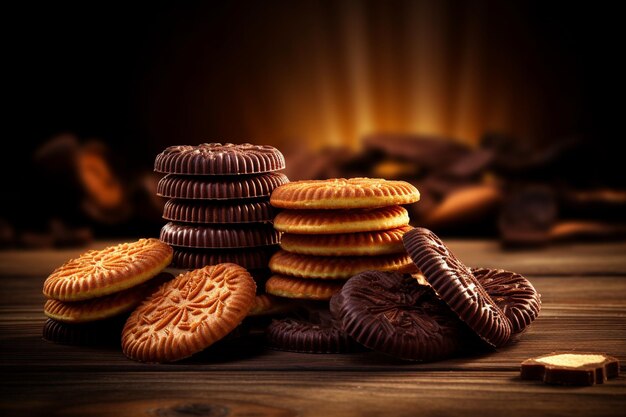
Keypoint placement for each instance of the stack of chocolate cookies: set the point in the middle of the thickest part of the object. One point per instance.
(334, 229)
(218, 207)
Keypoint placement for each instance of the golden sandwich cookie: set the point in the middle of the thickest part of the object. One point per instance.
(341, 221)
(364, 243)
(336, 267)
(306, 289)
(102, 272)
(341, 193)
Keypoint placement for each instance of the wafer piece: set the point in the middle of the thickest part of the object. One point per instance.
(457, 286)
(221, 188)
(189, 314)
(341, 193)
(317, 333)
(219, 236)
(341, 221)
(571, 368)
(306, 289)
(102, 272)
(219, 159)
(249, 258)
(513, 293)
(393, 314)
(186, 211)
(363, 243)
(269, 305)
(102, 307)
(336, 267)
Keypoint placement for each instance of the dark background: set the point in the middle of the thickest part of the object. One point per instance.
(307, 75)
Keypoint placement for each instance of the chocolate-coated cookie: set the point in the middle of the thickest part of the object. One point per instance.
(457, 286)
(393, 314)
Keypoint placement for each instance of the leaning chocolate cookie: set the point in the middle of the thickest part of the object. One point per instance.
(457, 286)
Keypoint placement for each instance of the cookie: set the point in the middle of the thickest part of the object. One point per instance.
(219, 236)
(99, 333)
(341, 221)
(219, 159)
(457, 286)
(393, 314)
(188, 314)
(571, 368)
(102, 272)
(317, 333)
(102, 307)
(268, 305)
(249, 258)
(341, 193)
(363, 243)
(513, 293)
(186, 211)
(336, 267)
(306, 289)
(222, 188)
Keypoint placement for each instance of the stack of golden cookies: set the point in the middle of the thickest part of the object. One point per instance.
(87, 294)
(336, 228)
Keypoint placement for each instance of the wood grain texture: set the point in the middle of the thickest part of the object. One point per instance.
(583, 290)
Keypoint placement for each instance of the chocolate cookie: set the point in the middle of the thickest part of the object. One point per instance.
(457, 286)
(219, 159)
(208, 212)
(317, 333)
(249, 258)
(513, 293)
(217, 236)
(393, 314)
(99, 333)
(222, 188)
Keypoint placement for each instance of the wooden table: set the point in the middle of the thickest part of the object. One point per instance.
(584, 308)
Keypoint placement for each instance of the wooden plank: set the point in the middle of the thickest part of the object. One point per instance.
(21, 346)
(304, 394)
(564, 259)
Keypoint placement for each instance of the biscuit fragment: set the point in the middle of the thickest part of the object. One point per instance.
(571, 368)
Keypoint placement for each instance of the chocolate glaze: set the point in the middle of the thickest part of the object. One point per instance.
(219, 159)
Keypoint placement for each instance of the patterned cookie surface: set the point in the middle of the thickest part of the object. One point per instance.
(102, 272)
(220, 188)
(219, 159)
(381, 242)
(189, 313)
(305, 289)
(341, 193)
(336, 267)
(102, 307)
(341, 221)
(393, 314)
(513, 293)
